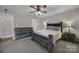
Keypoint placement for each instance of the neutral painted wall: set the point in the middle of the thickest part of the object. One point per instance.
(71, 15)
(6, 25)
(21, 20)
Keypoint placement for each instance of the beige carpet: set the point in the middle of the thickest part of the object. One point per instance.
(25, 45)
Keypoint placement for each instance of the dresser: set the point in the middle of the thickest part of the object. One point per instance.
(23, 32)
(69, 37)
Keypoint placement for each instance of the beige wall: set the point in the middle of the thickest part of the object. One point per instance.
(6, 25)
(21, 20)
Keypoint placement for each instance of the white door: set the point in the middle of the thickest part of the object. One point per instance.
(34, 24)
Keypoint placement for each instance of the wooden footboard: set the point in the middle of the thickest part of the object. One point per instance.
(43, 41)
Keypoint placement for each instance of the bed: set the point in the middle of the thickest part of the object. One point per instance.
(48, 38)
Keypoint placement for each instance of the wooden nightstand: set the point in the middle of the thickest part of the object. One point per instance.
(68, 37)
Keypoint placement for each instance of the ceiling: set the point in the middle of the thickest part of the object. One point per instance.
(25, 9)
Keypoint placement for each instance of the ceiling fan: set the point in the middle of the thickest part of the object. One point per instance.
(38, 9)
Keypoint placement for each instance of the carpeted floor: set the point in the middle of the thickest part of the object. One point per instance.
(25, 45)
(66, 47)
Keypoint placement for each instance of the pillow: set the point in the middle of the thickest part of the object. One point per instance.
(53, 28)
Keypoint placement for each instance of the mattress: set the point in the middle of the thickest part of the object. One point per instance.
(45, 33)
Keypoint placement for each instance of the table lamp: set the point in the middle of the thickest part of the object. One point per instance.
(69, 26)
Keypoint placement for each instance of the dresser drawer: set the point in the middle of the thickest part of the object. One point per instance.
(68, 36)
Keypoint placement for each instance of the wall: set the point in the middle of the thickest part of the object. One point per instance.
(24, 20)
(68, 16)
(21, 20)
(6, 26)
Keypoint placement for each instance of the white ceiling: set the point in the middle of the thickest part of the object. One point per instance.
(25, 9)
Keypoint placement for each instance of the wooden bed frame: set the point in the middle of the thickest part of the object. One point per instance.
(46, 42)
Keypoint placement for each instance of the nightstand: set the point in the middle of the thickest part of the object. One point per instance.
(68, 37)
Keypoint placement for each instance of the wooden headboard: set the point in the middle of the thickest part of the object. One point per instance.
(60, 24)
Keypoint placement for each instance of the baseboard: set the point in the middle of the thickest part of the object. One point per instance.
(8, 37)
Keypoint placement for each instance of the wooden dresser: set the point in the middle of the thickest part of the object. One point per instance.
(70, 37)
(23, 32)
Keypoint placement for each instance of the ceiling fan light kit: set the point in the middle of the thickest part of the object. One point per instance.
(38, 13)
(38, 9)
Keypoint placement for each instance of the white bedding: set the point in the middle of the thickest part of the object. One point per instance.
(45, 33)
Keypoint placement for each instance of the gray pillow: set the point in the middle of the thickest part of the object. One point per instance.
(53, 28)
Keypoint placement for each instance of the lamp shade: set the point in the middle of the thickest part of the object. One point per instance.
(69, 23)
(45, 24)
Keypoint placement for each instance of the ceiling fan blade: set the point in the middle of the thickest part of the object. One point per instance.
(5, 10)
(32, 6)
(44, 11)
(32, 12)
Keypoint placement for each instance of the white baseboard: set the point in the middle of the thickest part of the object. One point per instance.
(8, 36)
